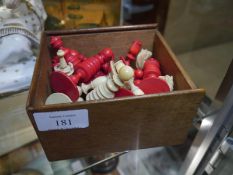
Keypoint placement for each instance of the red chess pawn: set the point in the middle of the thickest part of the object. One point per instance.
(151, 68)
(138, 74)
(106, 68)
(151, 84)
(134, 50)
(56, 42)
(137, 82)
(73, 57)
(85, 71)
(55, 61)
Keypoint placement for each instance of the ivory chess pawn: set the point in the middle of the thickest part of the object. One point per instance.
(126, 74)
(93, 84)
(114, 73)
(142, 56)
(169, 80)
(62, 66)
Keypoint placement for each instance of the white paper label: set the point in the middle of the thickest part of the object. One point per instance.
(59, 120)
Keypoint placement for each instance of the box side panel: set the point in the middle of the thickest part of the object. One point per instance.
(125, 125)
(170, 64)
(119, 41)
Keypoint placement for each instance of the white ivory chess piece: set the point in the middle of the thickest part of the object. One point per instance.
(126, 74)
(142, 56)
(114, 73)
(120, 74)
(80, 92)
(62, 65)
(93, 84)
(169, 80)
(103, 91)
(57, 98)
(80, 99)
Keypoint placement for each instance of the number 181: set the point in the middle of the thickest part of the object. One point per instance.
(63, 122)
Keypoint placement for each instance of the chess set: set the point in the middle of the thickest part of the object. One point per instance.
(76, 78)
(109, 90)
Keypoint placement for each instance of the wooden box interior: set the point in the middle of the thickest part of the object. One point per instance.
(122, 123)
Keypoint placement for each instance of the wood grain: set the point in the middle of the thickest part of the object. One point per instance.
(122, 123)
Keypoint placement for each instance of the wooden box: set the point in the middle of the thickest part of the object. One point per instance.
(122, 123)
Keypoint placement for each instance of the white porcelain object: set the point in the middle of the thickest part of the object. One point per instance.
(169, 80)
(126, 73)
(103, 91)
(57, 98)
(115, 76)
(136, 90)
(62, 65)
(79, 90)
(93, 84)
(111, 86)
(142, 56)
(80, 99)
(118, 65)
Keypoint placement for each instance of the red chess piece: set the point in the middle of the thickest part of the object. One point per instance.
(55, 61)
(134, 50)
(66, 50)
(73, 57)
(138, 74)
(122, 92)
(85, 71)
(106, 68)
(151, 84)
(137, 82)
(126, 62)
(151, 68)
(56, 42)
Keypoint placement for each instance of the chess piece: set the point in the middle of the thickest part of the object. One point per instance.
(60, 82)
(103, 91)
(73, 57)
(56, 98)
(135, 89)
(114, 73)
(93, 84)
(126, 74)
(106, 68)
(151, 68)
(80, 99)
(122, 92)
(138, 74)
(134, 50)
(169, 80)
(56, 42)
(142, 56)
(62, 66)
(137, 82)
(125, 61)
(114, 86)
(151, 83)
